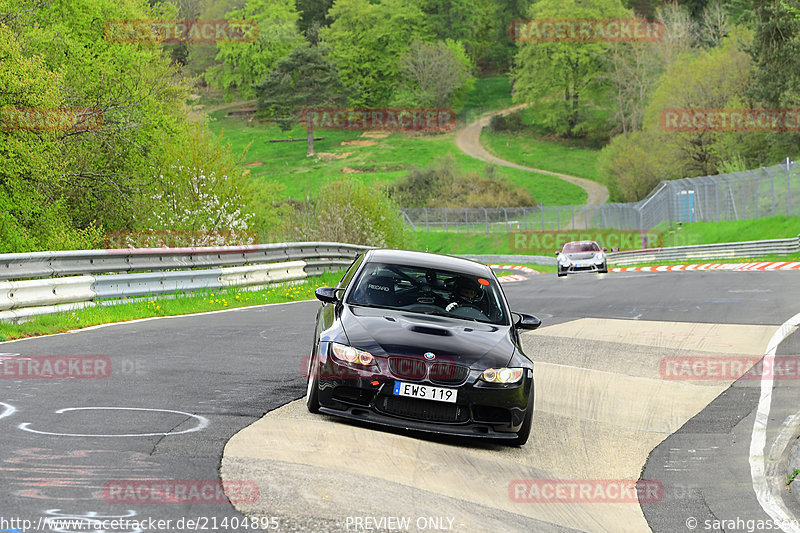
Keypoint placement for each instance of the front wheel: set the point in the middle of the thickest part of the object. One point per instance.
(561, 272)
(604, 270)
(312, 390)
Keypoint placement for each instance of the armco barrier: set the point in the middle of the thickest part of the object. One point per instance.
(141, 272)
(731, 250)
(74, 262)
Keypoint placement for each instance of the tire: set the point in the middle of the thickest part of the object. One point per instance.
(561, 273)
(525, 430)
(312, 388)
(604, 270)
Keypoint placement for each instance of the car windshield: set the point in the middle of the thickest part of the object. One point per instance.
(430, 291)
(581, 247)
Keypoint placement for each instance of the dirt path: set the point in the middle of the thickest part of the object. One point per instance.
(468, 141)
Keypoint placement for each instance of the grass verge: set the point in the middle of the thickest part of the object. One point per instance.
(180, 304)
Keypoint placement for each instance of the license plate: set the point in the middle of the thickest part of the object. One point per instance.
(426, 392)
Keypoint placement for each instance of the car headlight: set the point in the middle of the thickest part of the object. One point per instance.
(502, 375)
(351, 355)
(600, 257)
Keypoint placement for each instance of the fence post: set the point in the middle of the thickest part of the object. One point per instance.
(427, 225)
(788, 188)
(466, 221)
(445, 218)
(486, 217)
(505, 213)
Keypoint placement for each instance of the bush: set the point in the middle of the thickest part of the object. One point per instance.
(510, 122)
(443, 184)
(348, 211)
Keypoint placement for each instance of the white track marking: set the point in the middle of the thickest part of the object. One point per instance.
(203, 422)
(8, 411)
(770, 502)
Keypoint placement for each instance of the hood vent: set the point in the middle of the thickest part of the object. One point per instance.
(431, 331)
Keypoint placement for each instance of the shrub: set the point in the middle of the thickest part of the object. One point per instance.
(443, 184)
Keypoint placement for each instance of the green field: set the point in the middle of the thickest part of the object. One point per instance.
(375, 161)
(489, 94)
(534, 148)
(696, 233)
(781, 227)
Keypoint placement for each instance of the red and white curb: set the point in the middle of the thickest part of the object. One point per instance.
(513, 277)
(772, 265)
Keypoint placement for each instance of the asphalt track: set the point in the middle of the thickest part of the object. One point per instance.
(603, 412)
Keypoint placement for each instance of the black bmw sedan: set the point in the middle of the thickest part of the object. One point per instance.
(424, 342)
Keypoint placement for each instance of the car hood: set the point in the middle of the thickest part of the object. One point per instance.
(385, 332)
(581, 256)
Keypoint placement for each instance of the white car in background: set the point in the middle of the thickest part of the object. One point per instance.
(582, 256)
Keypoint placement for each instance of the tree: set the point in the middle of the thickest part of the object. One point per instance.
(304, 79)
(366, 41)
(776, 53)
(242, 64)
(545, 70)
(436, 74)
(634, 68)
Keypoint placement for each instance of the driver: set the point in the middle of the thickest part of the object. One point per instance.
(468, 292)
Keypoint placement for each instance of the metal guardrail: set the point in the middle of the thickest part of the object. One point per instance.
(73, 262)
(730, 250)
(153, 272)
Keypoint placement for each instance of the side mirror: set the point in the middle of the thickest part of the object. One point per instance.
(527, 322)
(327, 294)
(557, 252)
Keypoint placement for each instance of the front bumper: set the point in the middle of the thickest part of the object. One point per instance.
(582, 267)
(481, 409)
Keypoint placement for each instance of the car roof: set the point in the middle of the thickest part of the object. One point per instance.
(581, 242)
(426, 259)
